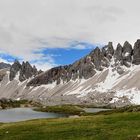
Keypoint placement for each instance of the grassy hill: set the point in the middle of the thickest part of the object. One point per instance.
(117, 126)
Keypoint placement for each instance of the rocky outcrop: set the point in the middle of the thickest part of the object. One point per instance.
(84, 68)
(108, 50)
(3, 72)
(118, 53)
(4, 65)
(136, 52)
(96, 58)
(25, 71)
(127, 54)
(14, 69)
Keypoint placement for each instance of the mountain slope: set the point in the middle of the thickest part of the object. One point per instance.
(106, 76)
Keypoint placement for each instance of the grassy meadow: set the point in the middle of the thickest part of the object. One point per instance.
(116, 126)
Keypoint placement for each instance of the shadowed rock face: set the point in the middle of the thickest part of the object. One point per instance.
(118, 53)
(25, 71)
(14, 69)
(136, 57)
(127, 53)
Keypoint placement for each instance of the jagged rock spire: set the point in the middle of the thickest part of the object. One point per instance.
(118, 52)
(108, 50)
(14, 69)
(25, 70)
(136, 53)
(87, 66)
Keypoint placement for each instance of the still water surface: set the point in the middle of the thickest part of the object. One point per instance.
(22, 114)
(95, 110)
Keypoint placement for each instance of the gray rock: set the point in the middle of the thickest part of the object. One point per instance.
(108, 50)
(127, 53)
(136, 57)
(14, 69)
(4, 65)
(86, 67)
(25, 71)
(118, 53)
(97, 57)
(87, 71)
(120, 70)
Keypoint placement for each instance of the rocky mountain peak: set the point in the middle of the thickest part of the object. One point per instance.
(127, 48)
(4, 65)
(25, 70)
(14, 69)
(101, 77)
(118, 52)
(127, 54)
(108, 50)
(136, 52)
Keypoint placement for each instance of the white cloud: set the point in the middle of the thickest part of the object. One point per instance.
(29, 25)
(43, 66)
(4, 61)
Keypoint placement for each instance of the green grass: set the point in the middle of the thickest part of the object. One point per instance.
(78, 110)
(119, 126)
(65, 109)
(133, 108)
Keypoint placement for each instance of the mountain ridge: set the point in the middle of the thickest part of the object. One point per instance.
(106, 76)
(86, 67)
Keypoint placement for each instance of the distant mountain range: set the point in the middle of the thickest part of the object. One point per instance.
(106, 76)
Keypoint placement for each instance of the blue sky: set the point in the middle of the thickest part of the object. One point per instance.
(55, 56)
(63, 56)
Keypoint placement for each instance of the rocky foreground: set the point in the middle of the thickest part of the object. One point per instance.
(106, 76)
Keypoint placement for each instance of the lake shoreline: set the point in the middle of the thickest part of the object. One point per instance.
(25, 114)
(67, 109)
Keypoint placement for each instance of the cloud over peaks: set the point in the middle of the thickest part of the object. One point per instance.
(27, 26)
